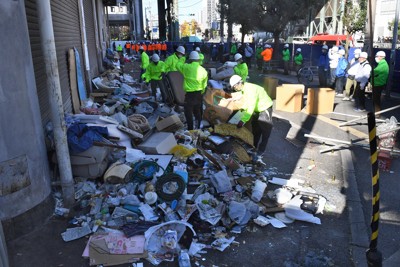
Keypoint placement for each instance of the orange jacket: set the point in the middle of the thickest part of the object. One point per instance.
(128, 45)
(144, 47)
(150, 47)
(137, 47)
(267, 54)
(164, 47)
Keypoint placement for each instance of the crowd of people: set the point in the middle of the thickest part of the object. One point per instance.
(352, 79)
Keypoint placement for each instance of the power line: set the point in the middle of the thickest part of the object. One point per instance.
(191, 4)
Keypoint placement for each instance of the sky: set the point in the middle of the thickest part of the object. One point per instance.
(186, 7)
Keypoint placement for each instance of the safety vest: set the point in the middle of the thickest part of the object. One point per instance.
(195, 77)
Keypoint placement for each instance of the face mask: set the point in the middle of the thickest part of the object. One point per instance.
(377, 59)
(356, 57)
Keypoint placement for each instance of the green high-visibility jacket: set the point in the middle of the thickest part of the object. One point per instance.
(258, 52)
(201, 56)
(119, 48)
(298, 59)
(381, 73)
(154, 72)
(241, 70)
(170, 62)
(285, 54)
(233, 49)
(256, 99)
(145, 60)
(195, 77)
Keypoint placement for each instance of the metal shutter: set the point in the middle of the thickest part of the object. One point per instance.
(90, 37)
(37, 57)
(65, 14)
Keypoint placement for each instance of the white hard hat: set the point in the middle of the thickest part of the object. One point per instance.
(342, 52)
(364, 54)
(335, 49)
(155, 58)
(141, 48)
(238, 56)
(298, 49)
(325, 47)
(198, 49)
(380, 54)
(266, 46)
(194, 55)
(180, 49)
(235, 79)
(357, 51)
(286, 45)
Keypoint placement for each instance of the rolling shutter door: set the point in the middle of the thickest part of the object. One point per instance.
(37, 58)
(90, 37)
(67, 34)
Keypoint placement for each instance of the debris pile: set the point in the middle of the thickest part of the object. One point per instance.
(148, 189)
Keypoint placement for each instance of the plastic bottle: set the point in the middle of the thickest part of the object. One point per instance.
(184, 259)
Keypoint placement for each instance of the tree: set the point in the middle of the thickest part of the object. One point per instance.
(354, 18)
(391, 27)
(275, 15)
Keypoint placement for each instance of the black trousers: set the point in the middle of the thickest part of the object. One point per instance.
(376, 96)
(359, 97)
(193, 106)
(158, 83)
(262, 126)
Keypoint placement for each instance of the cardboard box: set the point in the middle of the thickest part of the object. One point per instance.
(320, 100)
(289, 97)
(234, 102)
(270, 85)
(169, 124)
(213, 96)
(158, 143)
(215, 114)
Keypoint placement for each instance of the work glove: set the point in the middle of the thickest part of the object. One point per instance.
(240, 124)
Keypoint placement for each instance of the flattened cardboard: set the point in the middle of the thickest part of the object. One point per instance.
(158, 143)
(169, 124)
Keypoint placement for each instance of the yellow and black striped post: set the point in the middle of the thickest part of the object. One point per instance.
(374, 257)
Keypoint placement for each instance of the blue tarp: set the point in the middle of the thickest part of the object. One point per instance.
(81, 137)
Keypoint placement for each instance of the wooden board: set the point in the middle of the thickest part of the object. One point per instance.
(76, 103)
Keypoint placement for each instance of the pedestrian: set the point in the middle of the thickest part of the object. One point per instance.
(214, 53)
(323, 67)
(351, 82)
(298, 60)
(381, 74)
(154, 75)
(205, 49)
(259, 57)
(257, 107)
(248, 54)
(240, 49)
(114, 46)
(201, 56)
(164, 50)
(286, 58)
(340, 75)
(128, 48)
(172, 60)
(362, 76)
(241, 68)
(195, 79)
(119, 50)
(333, 62)
(233, 49)
(144, 61)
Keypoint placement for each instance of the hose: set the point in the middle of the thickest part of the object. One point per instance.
(144, 170)
(170, 178)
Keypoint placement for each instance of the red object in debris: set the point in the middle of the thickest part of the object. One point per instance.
(384, 161)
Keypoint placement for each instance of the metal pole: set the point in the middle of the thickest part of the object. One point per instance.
(327, 139)
(393, 50)
(365, 116)
(374, 256)
(55, 100)
(3, 249)
(84, 46)
(97, 37)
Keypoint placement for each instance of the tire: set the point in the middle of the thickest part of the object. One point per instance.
(305, 75)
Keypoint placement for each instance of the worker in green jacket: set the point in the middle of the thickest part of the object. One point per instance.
(241, 68)
(381, 75)
(298, 60)
(201, 56)
(286, 58)
(258, 107)
(195, 79)
(144, 61)
(233, 49)
(154, 74)
(178, 56)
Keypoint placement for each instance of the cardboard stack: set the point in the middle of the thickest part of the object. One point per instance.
(289, 97)
(320, 100)
(169, 124)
